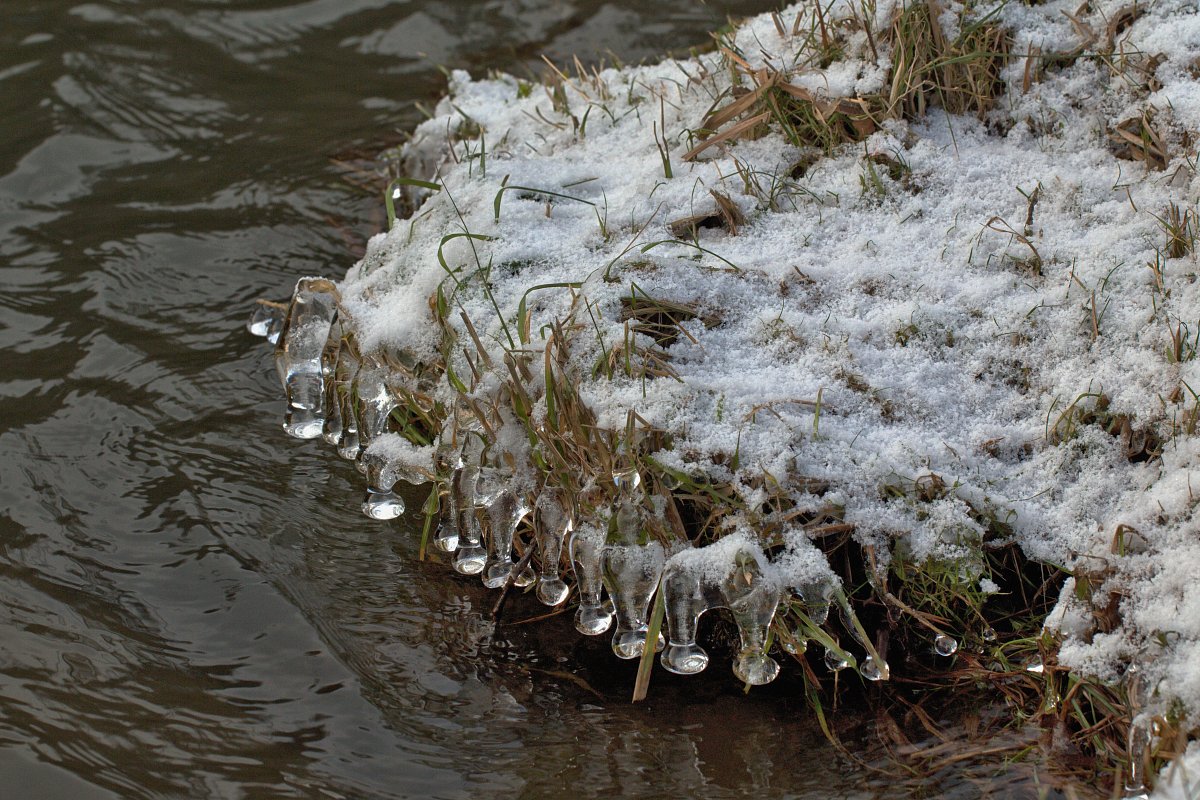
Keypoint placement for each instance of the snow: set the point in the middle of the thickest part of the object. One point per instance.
(941, 334)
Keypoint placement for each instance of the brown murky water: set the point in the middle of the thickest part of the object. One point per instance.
(191, 604)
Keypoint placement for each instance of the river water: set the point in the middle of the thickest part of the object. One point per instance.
(191, 604)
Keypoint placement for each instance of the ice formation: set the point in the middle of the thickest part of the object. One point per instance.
(939, 331)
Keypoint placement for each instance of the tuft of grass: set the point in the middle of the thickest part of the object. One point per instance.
(1180, 228)
(1137, 139)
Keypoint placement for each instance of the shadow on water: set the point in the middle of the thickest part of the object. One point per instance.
(190, 604)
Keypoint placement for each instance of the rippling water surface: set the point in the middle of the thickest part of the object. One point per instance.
(192, 604)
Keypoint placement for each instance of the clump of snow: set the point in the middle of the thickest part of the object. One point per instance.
(962, 319)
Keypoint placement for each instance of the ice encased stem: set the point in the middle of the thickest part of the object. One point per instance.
(555, 520)
(374, 402)
(752, 598)
(504, 510)
(449, 466)
(593, 617)
(630, 567)
(470, 556)
(298, 356)
(684, 601)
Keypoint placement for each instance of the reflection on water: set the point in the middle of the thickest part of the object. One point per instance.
(192, 604)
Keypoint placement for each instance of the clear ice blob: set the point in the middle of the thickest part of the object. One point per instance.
(834, 661)
(555, 520)
(266, 319)
(593, 617)
(795, 647)
(871, 670)
(945, 645)
(752, 597)
(298, 356)
(817, 597)
(445, 538)
(383, 505)
(381, 501)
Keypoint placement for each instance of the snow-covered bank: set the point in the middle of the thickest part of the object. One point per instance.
(712, 306)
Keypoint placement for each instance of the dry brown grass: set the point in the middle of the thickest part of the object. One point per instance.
(960, 74)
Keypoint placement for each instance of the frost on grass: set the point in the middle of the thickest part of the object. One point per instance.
(921, 273)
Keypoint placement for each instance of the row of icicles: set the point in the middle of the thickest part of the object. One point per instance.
(484, 512)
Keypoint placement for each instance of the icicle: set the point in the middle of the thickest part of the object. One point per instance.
(685, 598)
(449, 467)
(504, 509)
(1138, 744)
(331, 430)
(752, 599)
(593, 616)
(345, 371)
(298, 356)
(630, 567)
(555, 521)
(374, 403)
(470, 556)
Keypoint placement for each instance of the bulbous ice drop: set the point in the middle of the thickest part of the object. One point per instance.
(383, 505)
(834, 661)
(795, 647)
(817, 598)
(871, 669)
(752, 598)
(470, 557)
(627, 482)
(945, 645)
(381, 501)
(298, 356)
(593, 616)
(684, 601)
(554, 523)
(630, 573)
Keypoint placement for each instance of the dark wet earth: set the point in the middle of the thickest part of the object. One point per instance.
(191, 604)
